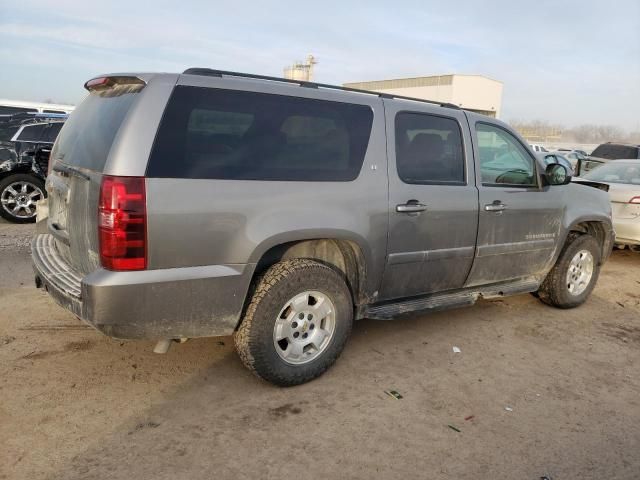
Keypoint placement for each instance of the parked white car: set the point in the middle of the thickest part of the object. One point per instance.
(623, 178)
(538, 148)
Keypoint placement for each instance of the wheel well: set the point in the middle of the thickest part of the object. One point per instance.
(342, 255)
(18, 170)
(595, 229)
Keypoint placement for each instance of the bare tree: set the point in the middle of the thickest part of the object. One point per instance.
(543, 131)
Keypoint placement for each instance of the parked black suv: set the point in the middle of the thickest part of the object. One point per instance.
(616, 151)
(25, 144)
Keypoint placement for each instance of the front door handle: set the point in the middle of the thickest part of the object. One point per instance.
(412, 206)
(496, 206)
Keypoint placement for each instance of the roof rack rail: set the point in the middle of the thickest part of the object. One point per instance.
(209, 72)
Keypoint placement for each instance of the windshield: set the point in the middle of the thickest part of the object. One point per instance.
(614, 172)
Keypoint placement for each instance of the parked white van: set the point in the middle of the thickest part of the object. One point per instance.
(9, 107)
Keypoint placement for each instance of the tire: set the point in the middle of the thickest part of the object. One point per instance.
(10, 192)
(561, 289)
(265, 339)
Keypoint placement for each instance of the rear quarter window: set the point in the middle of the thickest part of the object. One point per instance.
(233, 135)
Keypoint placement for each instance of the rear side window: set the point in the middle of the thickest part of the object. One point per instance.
(86, 138)
(614, 152)
(226, 134)
(429, 149)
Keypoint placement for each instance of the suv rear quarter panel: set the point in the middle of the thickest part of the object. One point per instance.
(132, 145)
(234, 222)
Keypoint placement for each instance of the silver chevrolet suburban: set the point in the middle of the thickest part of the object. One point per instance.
(214, 203)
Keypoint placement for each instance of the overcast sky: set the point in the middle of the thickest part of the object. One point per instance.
(570, 62)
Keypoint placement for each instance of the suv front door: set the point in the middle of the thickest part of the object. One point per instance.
(519, 219)
(433, 201)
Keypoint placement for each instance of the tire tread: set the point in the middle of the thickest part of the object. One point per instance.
(246, 339)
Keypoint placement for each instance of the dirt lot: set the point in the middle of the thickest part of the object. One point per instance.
(550, 393)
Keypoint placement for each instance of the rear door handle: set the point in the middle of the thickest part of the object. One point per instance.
(411, 207)
(495, 207)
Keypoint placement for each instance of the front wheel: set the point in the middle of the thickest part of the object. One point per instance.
(574, 275)
(18, 196)
(297, 323)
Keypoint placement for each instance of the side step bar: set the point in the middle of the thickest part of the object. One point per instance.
(442, 301)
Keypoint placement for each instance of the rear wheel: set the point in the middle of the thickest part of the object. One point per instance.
(574, 275)
(297, 322)
(18, 196)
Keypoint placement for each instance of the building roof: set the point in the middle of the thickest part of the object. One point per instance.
(431, 81)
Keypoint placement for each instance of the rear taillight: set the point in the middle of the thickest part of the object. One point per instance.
(635, 200)
(122, 223)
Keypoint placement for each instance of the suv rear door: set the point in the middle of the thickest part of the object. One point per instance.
(79, 159)
(519, 219)
(433, 201)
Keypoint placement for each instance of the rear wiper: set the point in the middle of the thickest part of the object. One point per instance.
(71, 171)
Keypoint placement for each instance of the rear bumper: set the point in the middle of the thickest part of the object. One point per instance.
(150, 304)
(627, 231)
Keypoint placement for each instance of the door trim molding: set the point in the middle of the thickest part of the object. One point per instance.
(515, 247)
(430, 255)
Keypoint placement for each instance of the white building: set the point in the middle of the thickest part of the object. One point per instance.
(472, 92)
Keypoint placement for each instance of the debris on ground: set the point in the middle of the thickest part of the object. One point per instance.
(393, 394)
(454, 428)
(470, 417)
(508, 409)
(456, 350)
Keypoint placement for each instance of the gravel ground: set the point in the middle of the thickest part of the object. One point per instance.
(534, 391)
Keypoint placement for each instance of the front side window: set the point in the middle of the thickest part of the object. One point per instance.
(503, 159)
(429, 149)
(236, 135)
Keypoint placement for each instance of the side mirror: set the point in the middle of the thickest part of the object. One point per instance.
(557, 174)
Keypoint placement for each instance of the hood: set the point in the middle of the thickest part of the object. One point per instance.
(590, 183)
